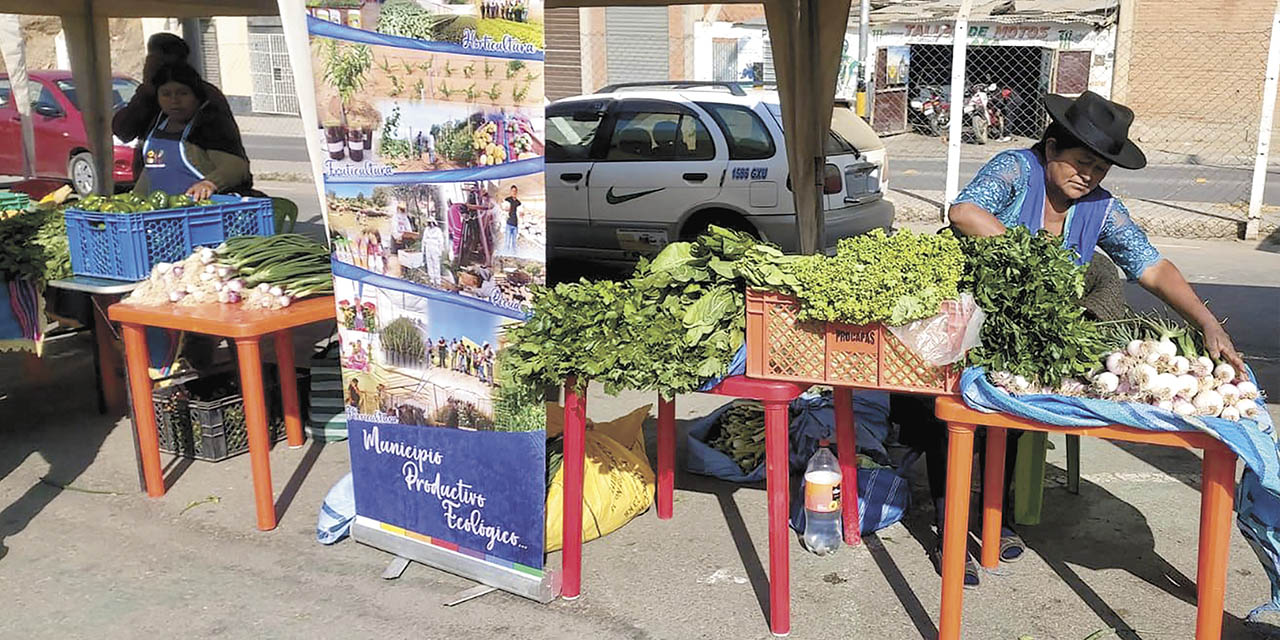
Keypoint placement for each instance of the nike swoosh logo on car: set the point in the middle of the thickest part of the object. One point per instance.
(616, 199)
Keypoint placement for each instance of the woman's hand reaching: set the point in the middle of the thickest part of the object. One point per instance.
(202, 190)
(1220, 347)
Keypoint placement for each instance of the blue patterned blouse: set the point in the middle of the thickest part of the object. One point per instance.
(1002, 183)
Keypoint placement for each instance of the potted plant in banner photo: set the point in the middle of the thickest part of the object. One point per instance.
(402, 343)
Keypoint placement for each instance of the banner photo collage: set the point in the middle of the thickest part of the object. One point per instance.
(431, 116)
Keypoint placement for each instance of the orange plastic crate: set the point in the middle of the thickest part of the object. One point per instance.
(779, 347)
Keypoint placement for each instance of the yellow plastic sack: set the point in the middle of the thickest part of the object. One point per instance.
(617, 481)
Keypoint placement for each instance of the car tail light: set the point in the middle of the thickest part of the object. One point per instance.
(832, 182)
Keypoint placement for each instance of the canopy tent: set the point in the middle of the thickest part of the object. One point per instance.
(807, 37)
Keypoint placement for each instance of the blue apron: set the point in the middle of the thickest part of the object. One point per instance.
(164, 156)
(1084, 221)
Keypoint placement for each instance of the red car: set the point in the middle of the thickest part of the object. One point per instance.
(62, 147)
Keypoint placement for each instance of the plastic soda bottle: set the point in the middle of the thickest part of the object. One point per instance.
(822, 534)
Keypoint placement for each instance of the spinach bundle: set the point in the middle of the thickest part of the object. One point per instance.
(1030, 287)
(675, 324)
(880, 278)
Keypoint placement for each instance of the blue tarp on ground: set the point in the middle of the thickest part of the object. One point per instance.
(1254, 441)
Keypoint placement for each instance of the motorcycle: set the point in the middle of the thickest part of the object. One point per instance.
(931, 110)
(982, 117)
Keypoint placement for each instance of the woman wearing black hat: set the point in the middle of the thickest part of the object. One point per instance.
(1055, 186)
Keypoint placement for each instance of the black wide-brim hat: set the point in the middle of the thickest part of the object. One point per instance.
(1102, 125)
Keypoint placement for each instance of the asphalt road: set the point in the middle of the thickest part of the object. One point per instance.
(1186, 183)
(276, 148)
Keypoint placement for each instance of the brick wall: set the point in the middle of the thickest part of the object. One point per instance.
(1186, 52)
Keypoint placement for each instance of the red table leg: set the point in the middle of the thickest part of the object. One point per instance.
(255, 418)
(992, 497)
(666, 456)
(144, 412)
(955, 528)
(1216, 498)
(777, 419)
(847, 447)
(289, 387)
(575, 428)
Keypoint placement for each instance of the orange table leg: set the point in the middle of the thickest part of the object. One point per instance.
(955, 528)
(255, 418)
(289, 387)
(666, 456)
(777, 419)
(144, 412)
(1216, 502)
(847, 448)
(992, 497)
(575, 430)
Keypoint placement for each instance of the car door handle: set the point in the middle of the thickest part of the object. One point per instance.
(695, 177)
(571, 177)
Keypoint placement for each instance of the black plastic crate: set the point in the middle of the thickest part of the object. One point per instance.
(203, 417)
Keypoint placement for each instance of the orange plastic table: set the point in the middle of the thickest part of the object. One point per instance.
(1216, 502)
(246, 327)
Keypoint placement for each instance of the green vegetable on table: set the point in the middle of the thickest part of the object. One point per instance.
(880, 278)
(1030, 287)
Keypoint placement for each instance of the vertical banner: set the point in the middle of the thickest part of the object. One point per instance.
(431, 121)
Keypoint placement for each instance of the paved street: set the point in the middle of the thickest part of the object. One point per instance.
(919, 163)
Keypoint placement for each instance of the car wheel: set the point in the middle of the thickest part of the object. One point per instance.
(83, 175)
(698, 225)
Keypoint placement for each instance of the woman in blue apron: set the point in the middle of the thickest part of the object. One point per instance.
(186, 154)
(1055, 186)
(188, 149)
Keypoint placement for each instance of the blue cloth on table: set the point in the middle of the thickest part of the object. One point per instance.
(1253, 441)
(737, 367)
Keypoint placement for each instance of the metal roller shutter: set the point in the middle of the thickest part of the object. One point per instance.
(638, 43)
(564, 53)
(209, 52)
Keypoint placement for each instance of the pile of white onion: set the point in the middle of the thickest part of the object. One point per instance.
(1153, 372)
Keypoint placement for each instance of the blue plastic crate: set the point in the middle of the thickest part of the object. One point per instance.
(125, 246)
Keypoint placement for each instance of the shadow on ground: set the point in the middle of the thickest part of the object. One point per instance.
(50, 415)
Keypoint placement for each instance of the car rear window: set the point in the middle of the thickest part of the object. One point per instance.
(749, 138)
(849, 133)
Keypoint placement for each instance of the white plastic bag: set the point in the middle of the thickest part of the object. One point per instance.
(944, 338)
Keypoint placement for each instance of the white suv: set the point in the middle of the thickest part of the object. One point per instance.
(635, 166)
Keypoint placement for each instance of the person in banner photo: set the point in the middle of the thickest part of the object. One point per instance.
(1056, 186)
(513, 218)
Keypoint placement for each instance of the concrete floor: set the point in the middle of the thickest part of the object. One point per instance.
(84, 554)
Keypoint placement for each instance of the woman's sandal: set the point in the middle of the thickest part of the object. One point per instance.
(1012, 548)
(972, 577)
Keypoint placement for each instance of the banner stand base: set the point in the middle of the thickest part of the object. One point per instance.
(540, 589)
(395, 568)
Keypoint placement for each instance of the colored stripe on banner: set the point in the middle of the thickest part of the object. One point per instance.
(445, 544)
(352, 272)
(475, 45)
(502, 171)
